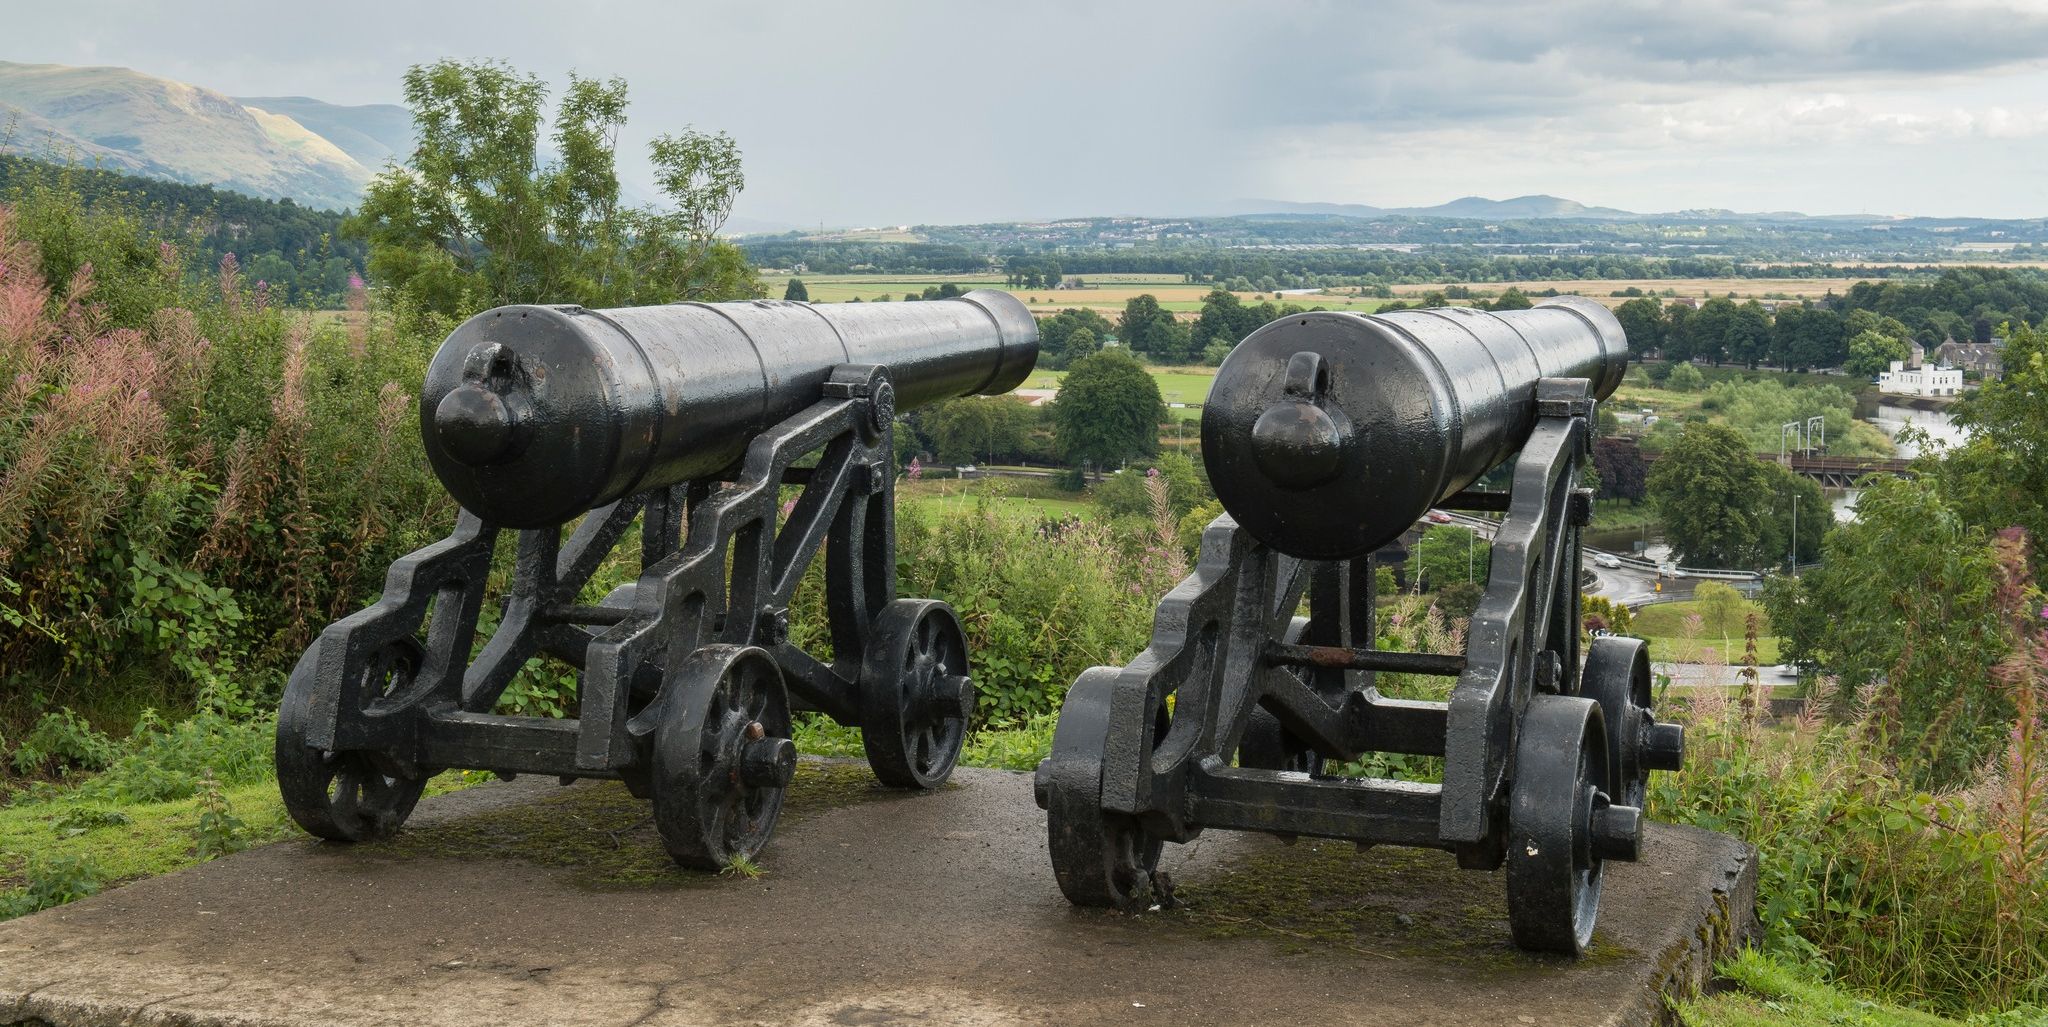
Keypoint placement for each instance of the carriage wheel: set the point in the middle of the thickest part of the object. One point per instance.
(916, 694)
(345, 796)
(1101, 858)
(1562, 826)
(722, 757)
(1617, 676)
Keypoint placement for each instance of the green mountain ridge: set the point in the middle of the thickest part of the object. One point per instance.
(125, 120)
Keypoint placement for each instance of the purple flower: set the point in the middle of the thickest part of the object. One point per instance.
(1151, 472)
(355, 281)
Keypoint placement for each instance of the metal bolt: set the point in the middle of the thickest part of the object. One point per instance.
(1664, 747)
(768, 762)
(1617, 832)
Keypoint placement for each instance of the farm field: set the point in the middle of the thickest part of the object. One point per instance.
(1189, 385)
(1743, 288)
(1105, 294)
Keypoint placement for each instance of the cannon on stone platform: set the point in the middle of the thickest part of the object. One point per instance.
(1326, 436)
(673, 430)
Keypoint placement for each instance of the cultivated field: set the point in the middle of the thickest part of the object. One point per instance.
(1603, 290)
(1105, 295)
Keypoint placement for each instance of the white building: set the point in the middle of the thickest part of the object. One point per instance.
(1920, 381)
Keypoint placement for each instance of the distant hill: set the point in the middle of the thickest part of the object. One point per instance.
(299, 251)
(126, 120)
(371, 133)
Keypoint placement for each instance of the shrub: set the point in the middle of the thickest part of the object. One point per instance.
(62, 742)
(1038, 606)
(1935, 900)
(51, 882)
(192, 481)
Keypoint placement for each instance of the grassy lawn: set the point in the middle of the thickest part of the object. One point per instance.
(1721, 628)
(128, 841)
(1614, 514)
(1019, 497)
(1770, 993)
(1189, 385)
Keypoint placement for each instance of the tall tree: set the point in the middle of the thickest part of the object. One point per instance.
(1642, 320)
(1140, 326)
(796, 291)
(1108, 410)
(1709, 489)
(474, 218)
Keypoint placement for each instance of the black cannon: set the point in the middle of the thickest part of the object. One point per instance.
(1326, 436)
(674, 430)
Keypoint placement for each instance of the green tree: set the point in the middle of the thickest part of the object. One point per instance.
(1053, 332)
(1140, 328)
(1872, 351)
(1080, 343)
(1124, 495)
(1108, 410)
(1685, 378)
(1678, 317)
(474, 218)
(796, 291)
(1445, 554)
(1902, 609)
(1708, 487)
(977, 428)
(1642, 320)
(1748, 338)
(1512, 299)
(1999, 477)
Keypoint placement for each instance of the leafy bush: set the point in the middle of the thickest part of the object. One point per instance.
(1938, 900)
(1039, 606)
(191, 479)
(218, 831)
(51, 882)
(62, 742)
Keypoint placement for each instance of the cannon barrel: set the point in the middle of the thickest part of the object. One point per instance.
(532, 415)
(1327, 434)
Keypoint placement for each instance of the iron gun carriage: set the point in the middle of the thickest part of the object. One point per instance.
(1326, 436)
(675, 430)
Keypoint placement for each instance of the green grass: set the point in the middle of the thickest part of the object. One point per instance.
(1771, 993)
(1663, 626)
(158, 838)
(1189, 385)
(1032, 498)
(1614, 514)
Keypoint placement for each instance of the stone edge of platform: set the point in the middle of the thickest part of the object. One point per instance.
(1724, 921)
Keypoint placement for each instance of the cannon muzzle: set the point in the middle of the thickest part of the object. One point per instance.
(532, 415)
(1327, 434)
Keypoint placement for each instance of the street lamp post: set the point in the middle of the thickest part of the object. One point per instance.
(1793, 558)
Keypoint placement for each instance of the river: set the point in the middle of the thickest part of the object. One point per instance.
(1940, 428)
(1941, 431)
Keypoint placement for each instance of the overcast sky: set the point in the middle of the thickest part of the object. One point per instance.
(887, 112)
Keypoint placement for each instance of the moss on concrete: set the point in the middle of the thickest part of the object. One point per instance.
(1331, 899)
(605, 838)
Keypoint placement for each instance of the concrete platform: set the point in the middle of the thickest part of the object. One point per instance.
(529, 904)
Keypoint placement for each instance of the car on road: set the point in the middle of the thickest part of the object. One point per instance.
(1607, 560)
(1439, 517)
